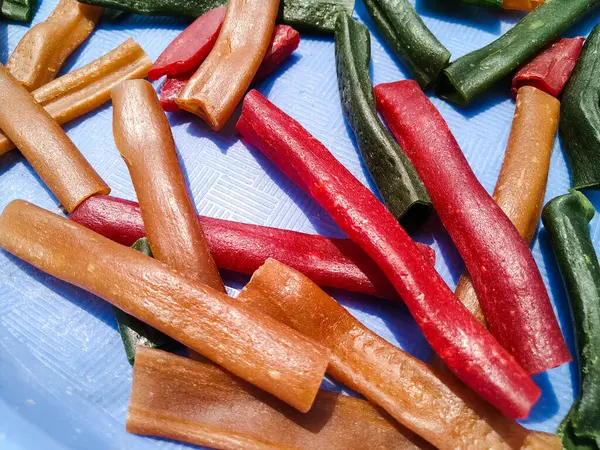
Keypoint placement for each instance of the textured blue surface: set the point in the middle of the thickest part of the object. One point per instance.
(64, 378)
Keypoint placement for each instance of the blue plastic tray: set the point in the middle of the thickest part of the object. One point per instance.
(64, 378)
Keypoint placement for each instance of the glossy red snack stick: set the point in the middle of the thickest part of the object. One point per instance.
(505, 276)
(283, 43)
(187, 51)
(241, 247)
(550, 71)
(466, 347)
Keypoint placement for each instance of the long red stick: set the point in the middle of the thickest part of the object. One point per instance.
(463, 343)
(507, 281)
(241, 247)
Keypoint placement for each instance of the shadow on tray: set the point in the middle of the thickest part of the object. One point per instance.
(317, 216)
(4, 53)
(131, 21)
(9, 160)
(435, 235)
(13, 158)
(594, 197)
(548, 405)
(584, 27)
(453, 11)
(561, 302)
(99, 308)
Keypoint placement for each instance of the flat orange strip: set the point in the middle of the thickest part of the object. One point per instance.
(521, 186)
(143, 137)
(244, 341)
(201, 404)
(521, 5)
(46, 146)
(41, 53)
(441, 411)
(218, 86)
(85, 89)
